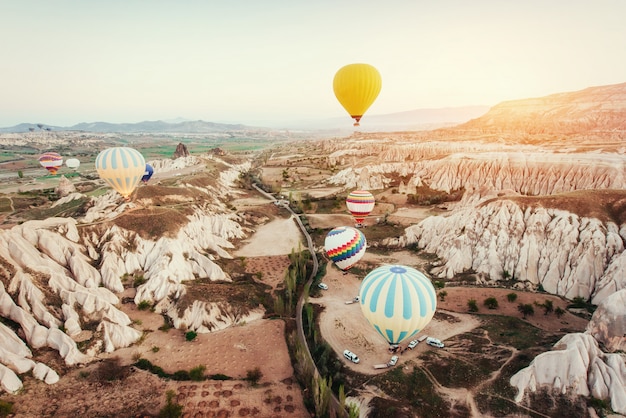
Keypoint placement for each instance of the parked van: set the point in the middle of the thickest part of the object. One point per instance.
(434, 342)
(350, 356)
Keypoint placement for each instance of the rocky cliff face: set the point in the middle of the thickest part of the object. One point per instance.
(181, 151)
(529, 173)
(59, 275)
(576, 365)
(608, 324)
(566, 253)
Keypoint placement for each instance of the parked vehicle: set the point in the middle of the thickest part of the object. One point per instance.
(434, 342)
(323, 286)
(413, 344)
(393, 361)
(355, 300)
(351, 356)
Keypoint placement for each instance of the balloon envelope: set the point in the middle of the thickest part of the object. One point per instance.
(147, 174)
(345, 246)
(121, 168)
(356, 86)
(51, 161)
(360, 203)
(398, 301)
(72, 163)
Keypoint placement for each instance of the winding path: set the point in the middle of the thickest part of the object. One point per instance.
(335, 405)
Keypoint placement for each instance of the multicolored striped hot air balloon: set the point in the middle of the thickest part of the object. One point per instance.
(51, 161)
(360, 203)
(122, 168)
(345, 246)
(398, 301)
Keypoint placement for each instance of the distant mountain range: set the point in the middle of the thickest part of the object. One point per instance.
(601, 108)
(419, 119)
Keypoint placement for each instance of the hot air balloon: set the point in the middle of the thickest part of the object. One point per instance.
(121, 168)
(345, 246)
(356, 86)
(398, 301)
(147, 174)
(72, 163)
(360, 203)
(51, 161)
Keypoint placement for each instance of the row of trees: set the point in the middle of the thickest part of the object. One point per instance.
(526, 309)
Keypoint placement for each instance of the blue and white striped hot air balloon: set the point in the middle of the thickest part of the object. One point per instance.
(122, 168)
(398, 301)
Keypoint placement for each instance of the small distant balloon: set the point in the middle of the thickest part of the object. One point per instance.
(398, 301)
(51, 161)
(345, 246)
(360, 203)
(147, 174)
(72, 163)
(121, 168)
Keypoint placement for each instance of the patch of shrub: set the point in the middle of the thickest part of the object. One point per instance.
(191, 335)
(171, 408)
(253, 376)
(472, 305)
(144, 305)
(491, 303)
(111, 369)
(6, 408)
(139, 280)
(197, 373)
(181, 375)
(219, 376)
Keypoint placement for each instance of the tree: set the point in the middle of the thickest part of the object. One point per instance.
(442, 295)
(548, 307)
(559, 311)
(171, 409)
(197, 373)
(472, 305)
(526, 309)
(253, 376)
(511, 297)
(491, 303)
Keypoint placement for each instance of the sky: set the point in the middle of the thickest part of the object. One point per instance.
(64, 62)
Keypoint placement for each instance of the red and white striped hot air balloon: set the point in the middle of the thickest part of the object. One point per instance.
(360, 203)
(51, 161)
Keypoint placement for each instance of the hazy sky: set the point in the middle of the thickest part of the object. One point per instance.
(64, 62)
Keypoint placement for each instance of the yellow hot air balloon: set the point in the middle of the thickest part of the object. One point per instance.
(122, 168)
(356, 87)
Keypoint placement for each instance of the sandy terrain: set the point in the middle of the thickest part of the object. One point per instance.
(277, 237)
(235, 351)
(343, 325)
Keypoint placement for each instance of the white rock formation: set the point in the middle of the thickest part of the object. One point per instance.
(528, 173)
(65, 187)
(50, 287)
(608, 324)
(203, 317)
(568, 255)
(576, 365)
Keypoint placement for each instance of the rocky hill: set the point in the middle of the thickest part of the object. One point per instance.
(599, 109)
(543, 207)
(60, 277)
